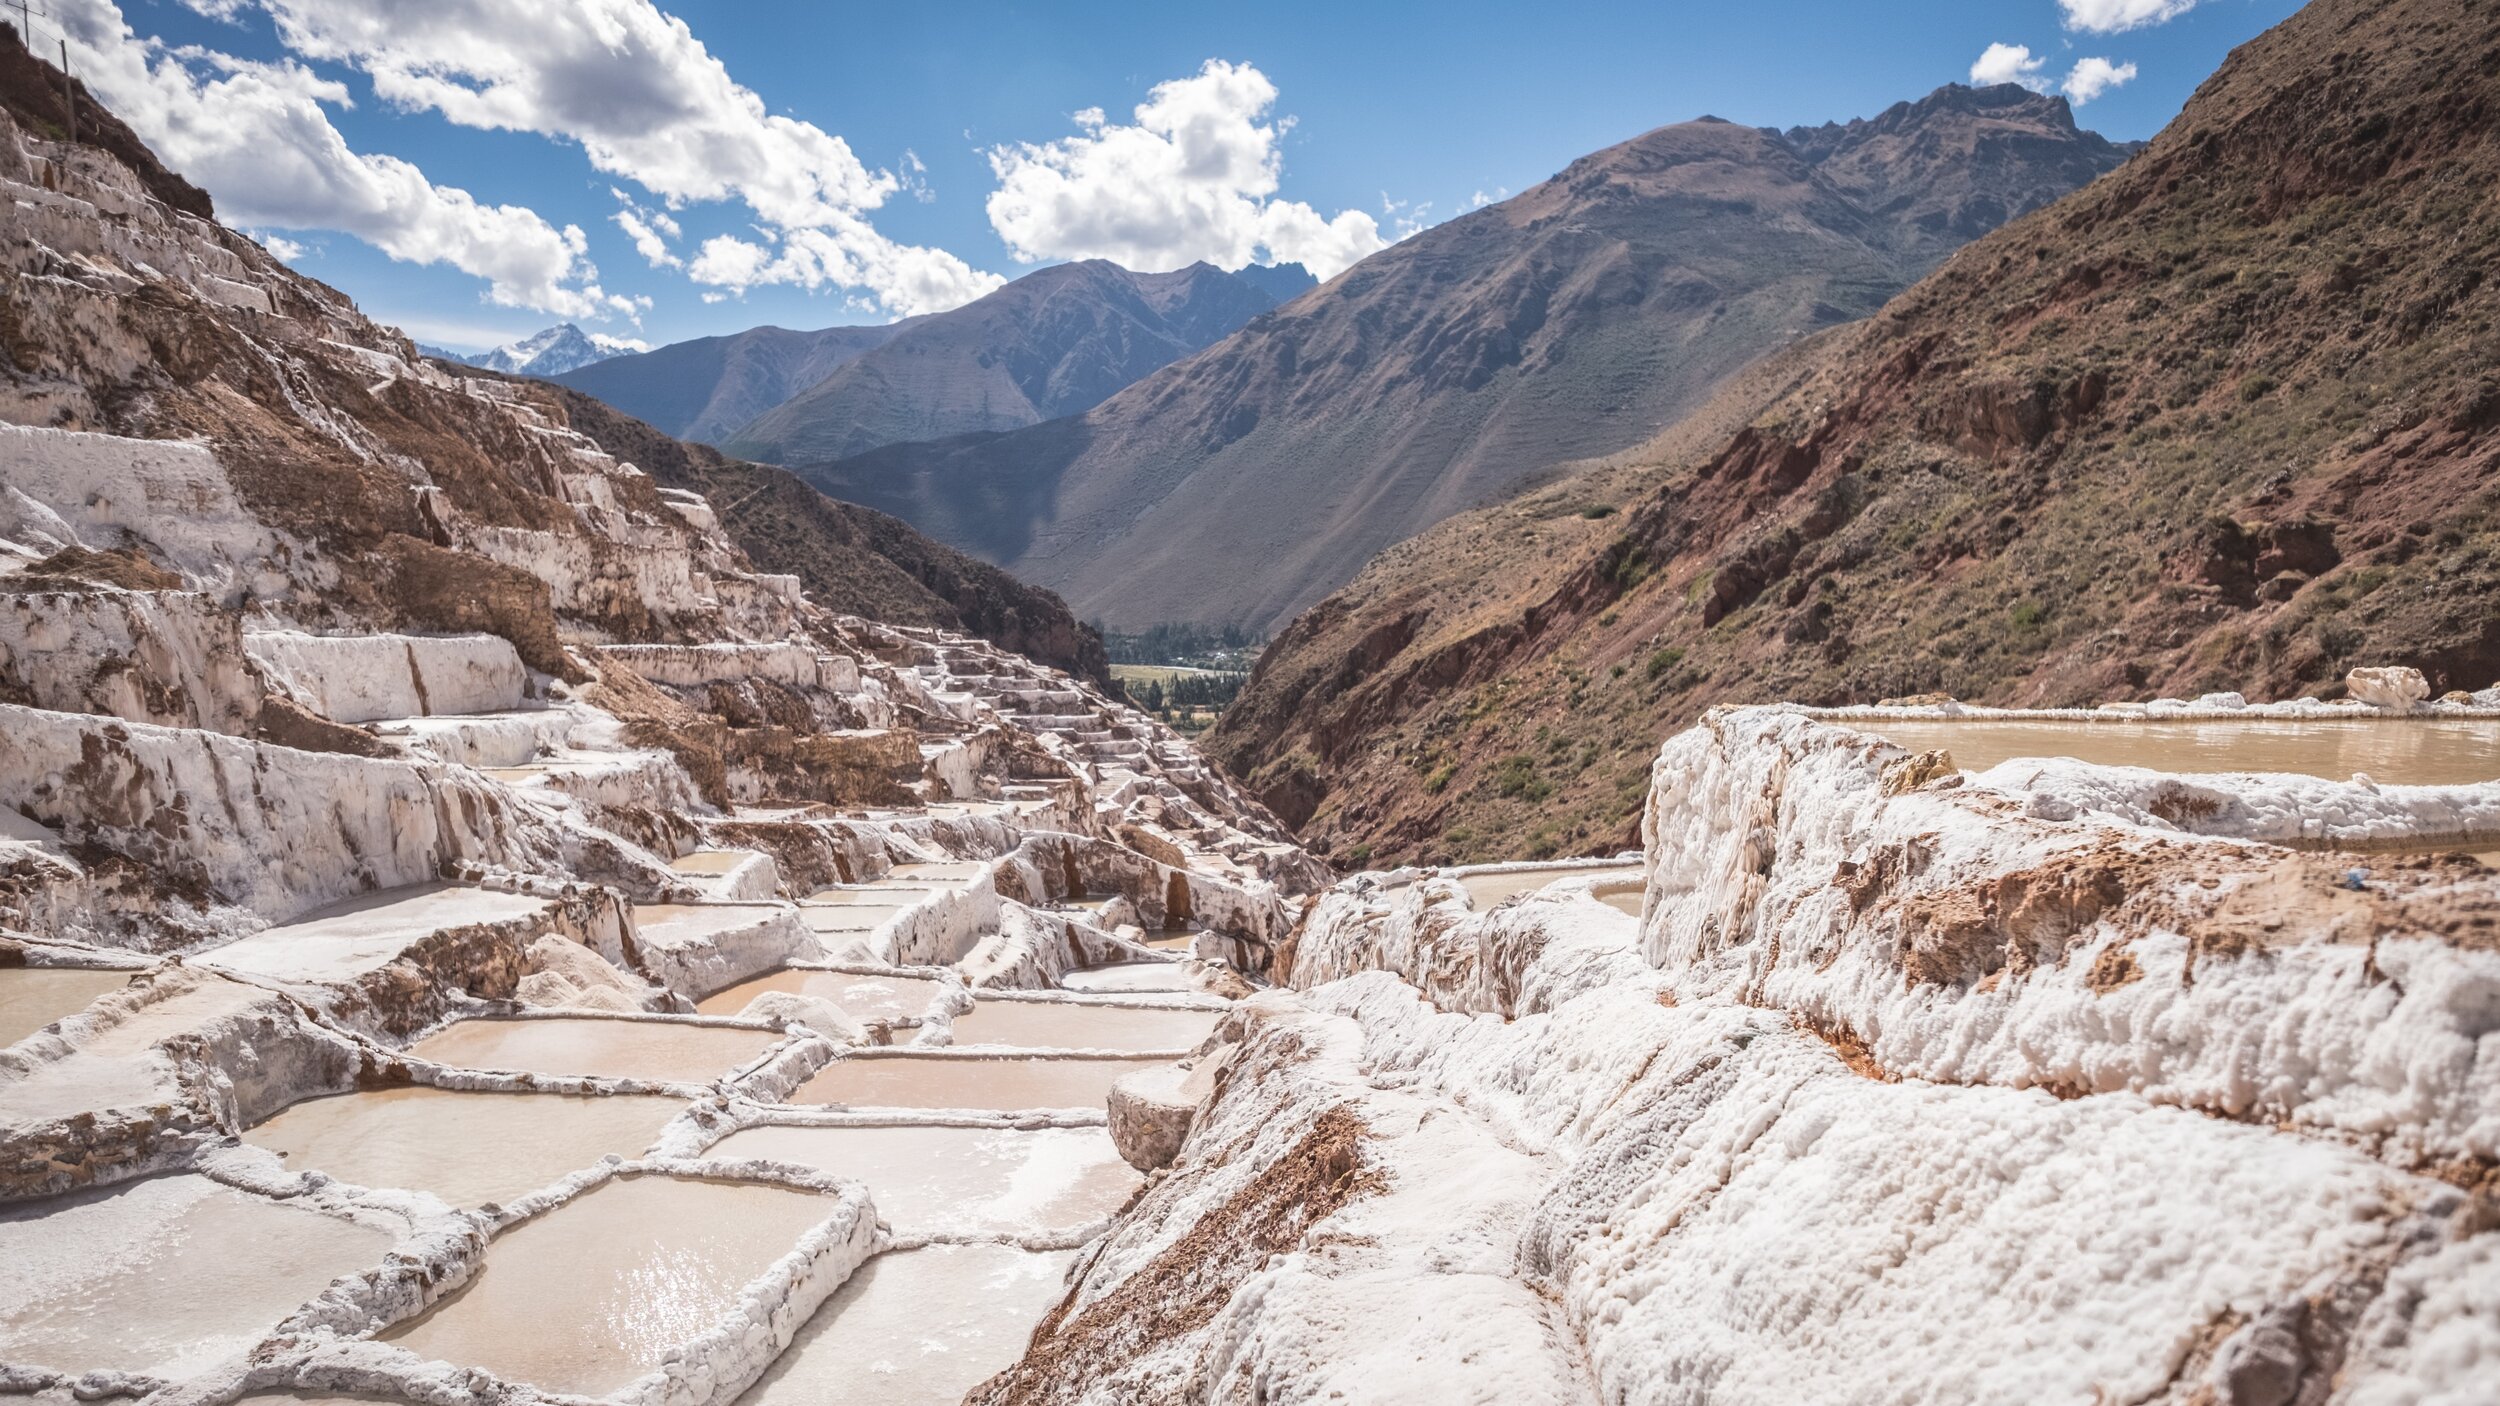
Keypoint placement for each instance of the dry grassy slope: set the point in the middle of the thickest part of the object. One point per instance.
(33, 93)
(1054, 342)
(2227, 419)
(850, 558)
(1574, 320)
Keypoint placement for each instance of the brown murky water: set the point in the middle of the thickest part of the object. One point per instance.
(917, 1328)
(615, 1049)
(867, 996)
(1129, 977)
(1081, 1025)
(1485, 890)
(710, 861)
(166, 1275)
(594, 1293)
(986, 1180)
(2393, 752)
(967, 1081)
(1622, 900)
(467, 1148)
(34, 997)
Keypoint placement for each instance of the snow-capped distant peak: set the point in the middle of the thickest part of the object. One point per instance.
(559, 349)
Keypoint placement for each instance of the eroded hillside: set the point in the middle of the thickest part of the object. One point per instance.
(2224, 419)
(1575, 319)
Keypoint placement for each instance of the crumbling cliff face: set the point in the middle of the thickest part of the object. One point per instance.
(1905, 1083)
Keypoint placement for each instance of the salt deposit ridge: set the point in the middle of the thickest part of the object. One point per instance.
(466, 935)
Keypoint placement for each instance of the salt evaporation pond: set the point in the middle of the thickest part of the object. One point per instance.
(953, 871)
(1081, 1025)
(1485, 890)
(594, 1293)
(467, 1148)
(1001, 1083)
(1129, 978)
(164, 1276)
(979, 1180)
(867, 995)
(872, 897)
(2391, 751)
(917, 1328)
(34, 997)
(667, 1050)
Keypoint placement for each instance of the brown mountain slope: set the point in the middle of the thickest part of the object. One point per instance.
(706, 388)
(850, 558)
(1054, 342)
(1574, 320)
(2226, 419)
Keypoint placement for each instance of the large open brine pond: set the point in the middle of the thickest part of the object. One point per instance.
(2391, 751)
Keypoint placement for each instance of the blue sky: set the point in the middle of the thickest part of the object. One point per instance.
(457, 165)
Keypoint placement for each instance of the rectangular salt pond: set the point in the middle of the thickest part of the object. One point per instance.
(846, 917)
(873, 897)
(467, 1148)
(34, 997)
(1129, 977)
(952, 872)
(1485, 890)
(591, 1295)
(346, 940)
(2392, 751)
(867, 995)
(1004, 1084)
(164, 1276)
(980, 1180)
(917, 1328)
(1081, 1025)
(616, 1049)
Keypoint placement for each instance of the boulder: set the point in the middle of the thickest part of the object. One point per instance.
(1152, 1109)
(2396, 690)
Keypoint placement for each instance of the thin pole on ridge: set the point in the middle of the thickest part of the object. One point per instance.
(69, 91)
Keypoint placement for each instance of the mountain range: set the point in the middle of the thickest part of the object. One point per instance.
(2226, 419)
(563, 347)
(1052, 343)
(1240, 485)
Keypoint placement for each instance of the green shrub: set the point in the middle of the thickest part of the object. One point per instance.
(2027, 616)
(1664, 660)
(1598, 510)
(1516, 777)
(1439, 781)
(2255, 387)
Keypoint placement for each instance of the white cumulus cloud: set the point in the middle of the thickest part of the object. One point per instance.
(2009, 63)
(2093, 77)
(256, 135)
(646, 101)
(1194, 177)
(2113, 16)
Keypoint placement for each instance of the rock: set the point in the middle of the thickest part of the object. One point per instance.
(814, 1012)
(2395, 690)
(1910, 773)
(1152, 1109)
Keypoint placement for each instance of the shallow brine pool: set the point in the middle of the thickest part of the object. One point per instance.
(983, 1180)
(164, 1276)
(1004, 1084)
(467, 1148)
(867, 995)
(666, 1050)
(1081, 1025)
(917, 1328)
(34, 997)
(591, 1295)
(2391, 751)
